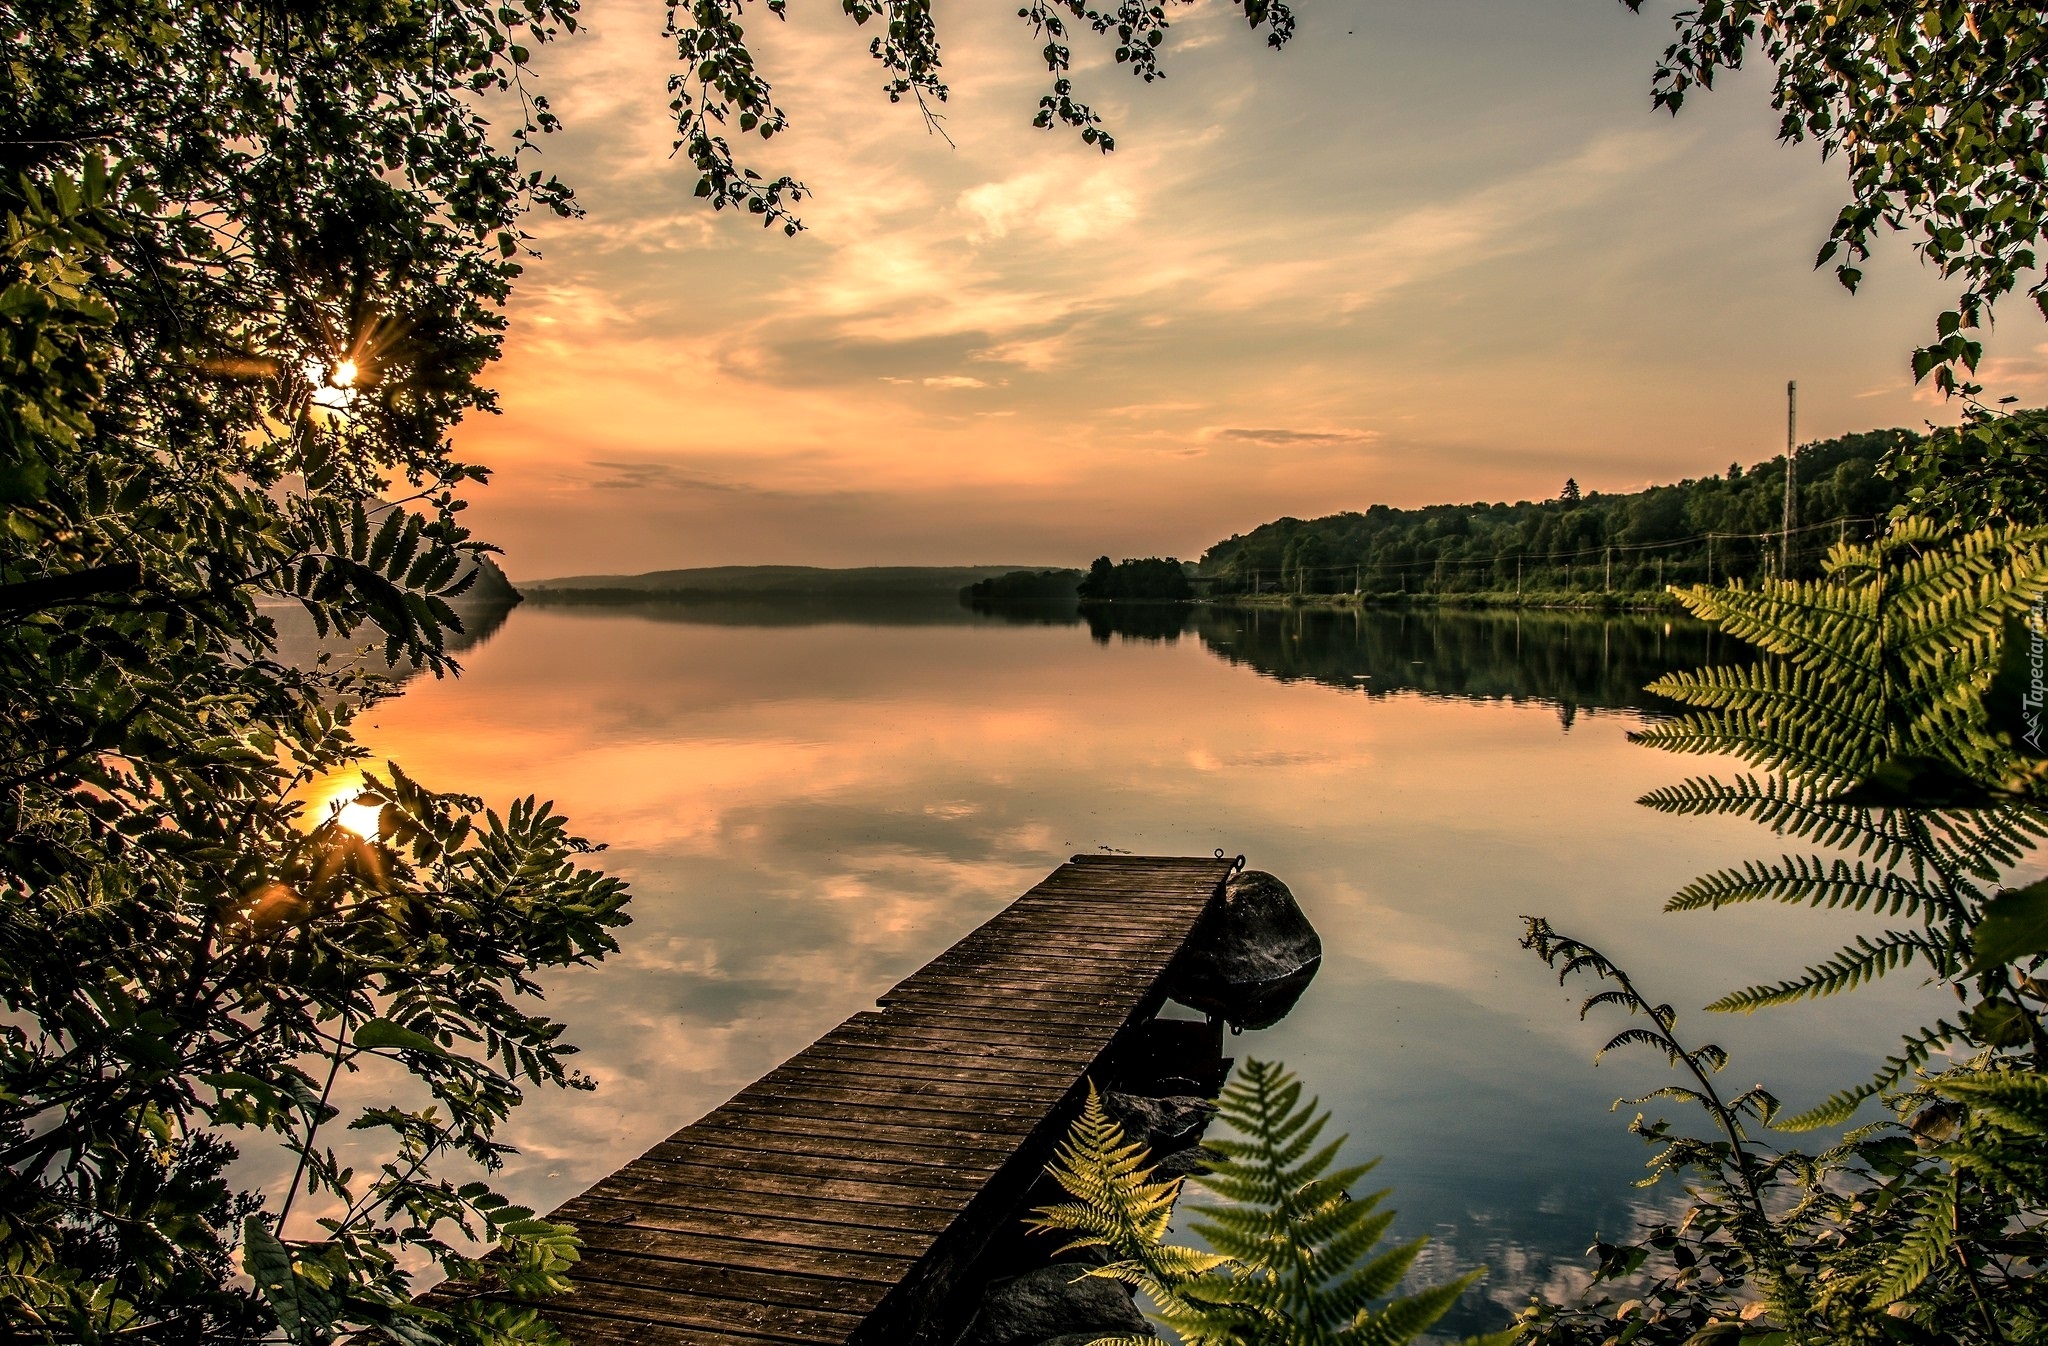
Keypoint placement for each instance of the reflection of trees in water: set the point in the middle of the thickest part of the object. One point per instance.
(1139, 621)
(1573, 661)
(1027, 612)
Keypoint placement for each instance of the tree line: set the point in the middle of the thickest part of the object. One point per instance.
(1700, 530)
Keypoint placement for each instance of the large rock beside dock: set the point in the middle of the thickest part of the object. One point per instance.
(1161, 1125)
(1058, 1303)
(1169, 1127)
(1250, 956)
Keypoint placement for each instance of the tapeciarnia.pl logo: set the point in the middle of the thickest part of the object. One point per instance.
(2037, 665)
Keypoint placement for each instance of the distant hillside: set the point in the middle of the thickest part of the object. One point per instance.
(768, 582)
(1714, 528)
(490, 587)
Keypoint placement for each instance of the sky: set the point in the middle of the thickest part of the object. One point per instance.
(1428, 252)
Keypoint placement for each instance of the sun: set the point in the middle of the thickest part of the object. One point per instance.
(334, 387)
(356, 815)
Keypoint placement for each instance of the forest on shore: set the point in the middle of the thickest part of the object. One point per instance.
(1704, 529)
(1574, 548)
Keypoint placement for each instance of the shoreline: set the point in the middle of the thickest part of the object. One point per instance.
(1485, 600)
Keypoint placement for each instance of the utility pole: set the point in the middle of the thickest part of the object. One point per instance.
(1710, 558)
(1791, 478)
(1607, 586)
(1518, 575)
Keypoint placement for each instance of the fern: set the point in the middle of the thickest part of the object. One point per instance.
(1925, 1245)
(1865, 960)
(1867, 720)
(1815, 882)
(1297, 1260)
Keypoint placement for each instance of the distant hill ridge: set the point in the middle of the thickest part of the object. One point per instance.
(791, 580)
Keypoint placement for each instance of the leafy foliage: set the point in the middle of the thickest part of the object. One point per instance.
(1296, 1258)
(719, 87)
(250, 270)
(1937, 108)
(1990, 466)
(1872, 699)
(252, 264)
(1151, 580)
(1926, 1229)
(1876, 714)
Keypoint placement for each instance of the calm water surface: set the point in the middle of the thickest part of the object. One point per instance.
(810, 809)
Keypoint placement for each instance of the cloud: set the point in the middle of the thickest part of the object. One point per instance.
(645, 476)
(936, 381)
(1276, 438)
(1037, 354)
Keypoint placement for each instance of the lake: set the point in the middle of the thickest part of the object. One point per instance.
(810, 805)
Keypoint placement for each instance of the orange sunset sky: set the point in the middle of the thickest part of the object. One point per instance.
(1430, 251)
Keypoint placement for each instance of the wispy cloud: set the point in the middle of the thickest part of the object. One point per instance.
(1280, 438)
(1292, 289)
(648, 476)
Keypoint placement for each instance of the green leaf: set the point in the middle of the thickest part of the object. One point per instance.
(1998, 1023)
(382, 1033)
(269, 1264)
(2014, 926)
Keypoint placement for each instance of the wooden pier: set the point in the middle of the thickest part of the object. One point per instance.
(837, 1199)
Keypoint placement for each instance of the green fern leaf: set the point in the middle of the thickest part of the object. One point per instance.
(1815, 881)
(1865, 960)
(1923, 1247)
(1916, 1050)
(2014, 1100)
(1294, 1260)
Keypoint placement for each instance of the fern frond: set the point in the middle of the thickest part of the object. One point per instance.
(1915, 1051)
(1779, 691)
(1924, 1246)
(1799, 749)
(1943, 595)
(1293, 1259)
(1640, 1037)
(1405, 1319)
(1792, 808)
(1816, 882)
(1674, 1091)
(1863, 961)
(2015, 1100)
(1812, 622)
(1115, 1206)
(1984, 842)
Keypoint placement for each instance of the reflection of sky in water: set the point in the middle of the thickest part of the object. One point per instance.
(809, 813)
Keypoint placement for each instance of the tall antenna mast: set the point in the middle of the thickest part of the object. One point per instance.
(1791, 478)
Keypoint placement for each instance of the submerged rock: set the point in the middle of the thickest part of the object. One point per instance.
(1162, 1125)
(1250, 956)
(1057, 1303)
(1192, 1162)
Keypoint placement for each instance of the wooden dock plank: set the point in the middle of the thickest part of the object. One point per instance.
(825, 1184)
(828, 1202)
(765, 1287)
(724, 1152)
(667, 1197)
